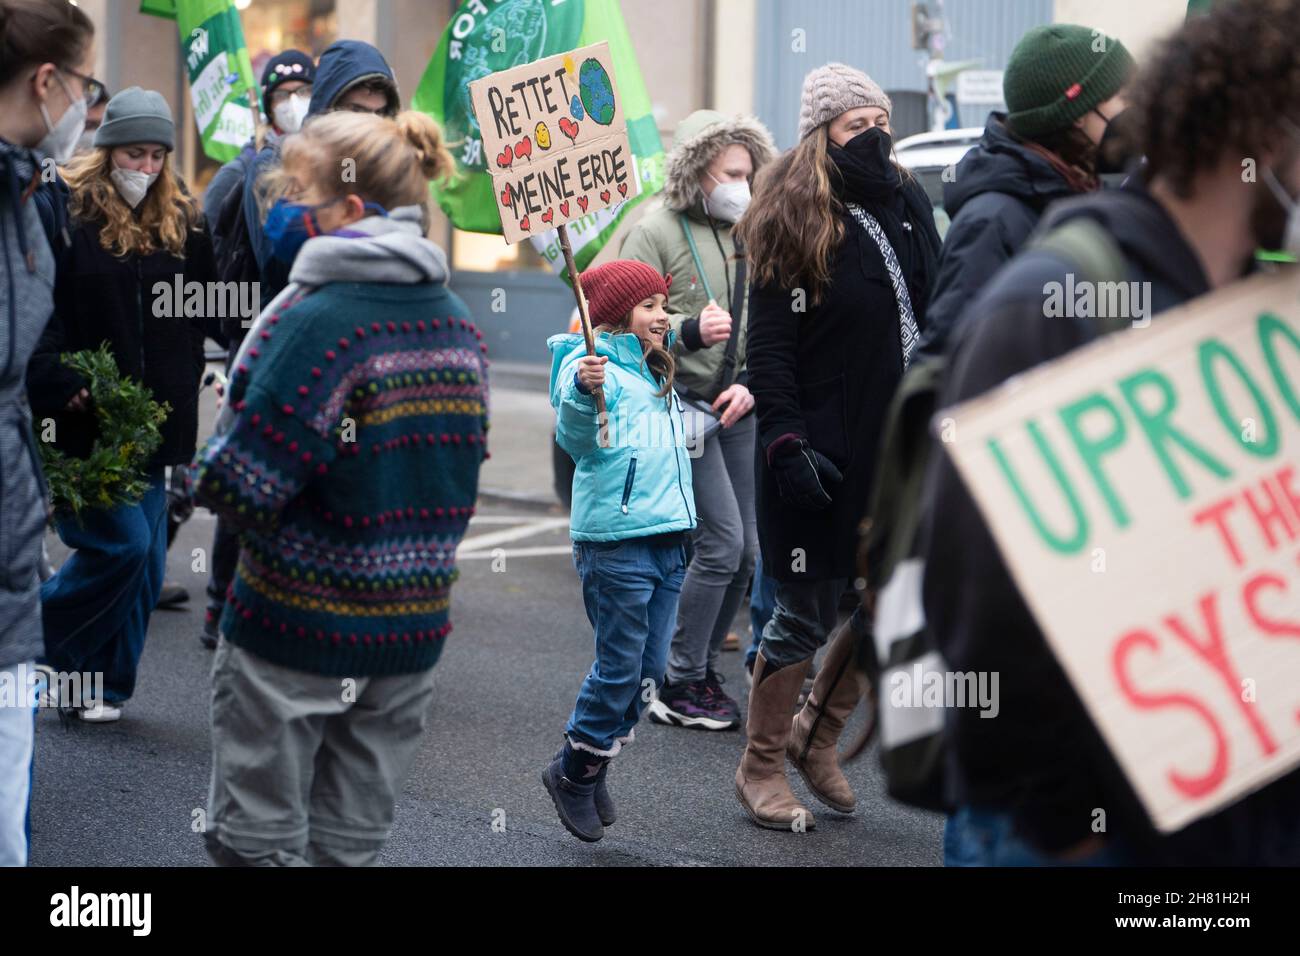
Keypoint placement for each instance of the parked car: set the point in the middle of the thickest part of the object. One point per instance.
(927, 155)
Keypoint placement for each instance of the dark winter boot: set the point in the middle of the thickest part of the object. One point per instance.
(570, 779)
(604, 802)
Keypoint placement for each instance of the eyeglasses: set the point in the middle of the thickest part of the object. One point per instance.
(94, 91)
(282, 96)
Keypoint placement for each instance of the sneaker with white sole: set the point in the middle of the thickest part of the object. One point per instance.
(691, 705)
(100, 712)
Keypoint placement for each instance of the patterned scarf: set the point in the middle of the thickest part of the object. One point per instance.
(909, 333)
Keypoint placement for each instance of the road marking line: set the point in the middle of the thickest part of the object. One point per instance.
(519, 553)
(498, 519)
(493, 538)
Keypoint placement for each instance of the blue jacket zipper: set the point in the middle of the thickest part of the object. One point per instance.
(627, 483)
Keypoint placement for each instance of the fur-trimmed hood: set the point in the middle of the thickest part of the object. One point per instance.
(698, 139)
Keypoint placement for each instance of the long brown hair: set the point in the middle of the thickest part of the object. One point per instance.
(162, 221)
(791, 229)
(659, 360)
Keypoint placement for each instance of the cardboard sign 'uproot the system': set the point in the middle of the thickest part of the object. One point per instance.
(1145, 494)
(555, 140)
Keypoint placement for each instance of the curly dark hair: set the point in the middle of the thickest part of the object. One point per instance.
(1219, 86)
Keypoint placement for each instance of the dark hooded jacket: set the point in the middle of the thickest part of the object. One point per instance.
(1042, 760)
(827, 374)
(344, 65)
(998, 194)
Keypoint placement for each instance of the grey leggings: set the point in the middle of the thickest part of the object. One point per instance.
(726, 543)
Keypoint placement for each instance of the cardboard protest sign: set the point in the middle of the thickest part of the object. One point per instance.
(1145, 494)
(555, 140)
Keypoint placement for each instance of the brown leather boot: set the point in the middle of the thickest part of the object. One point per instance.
(816, 730)
(761, 784)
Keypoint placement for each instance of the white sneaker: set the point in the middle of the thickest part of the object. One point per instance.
(100, 712)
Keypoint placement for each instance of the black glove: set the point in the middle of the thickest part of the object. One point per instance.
(804, 476)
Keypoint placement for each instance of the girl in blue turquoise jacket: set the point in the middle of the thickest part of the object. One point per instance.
(633, 508)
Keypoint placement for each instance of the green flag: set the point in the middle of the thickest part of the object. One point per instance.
(159, 8)
(482, 40)
(222, 88)
(1198, 6)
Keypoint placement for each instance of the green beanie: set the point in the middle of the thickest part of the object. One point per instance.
(1059, 73)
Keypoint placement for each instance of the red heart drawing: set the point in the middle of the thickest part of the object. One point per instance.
(506, 158)
(525, 148)
(564, 209)
(568, 127)
(505, 196)
(622, 189)
(523, 224)
(604, 195)
(582, 202)
(548, 215)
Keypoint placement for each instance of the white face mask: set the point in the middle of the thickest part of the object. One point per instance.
(728, 201)
(61, 140)
(289, 115)
(132, 184)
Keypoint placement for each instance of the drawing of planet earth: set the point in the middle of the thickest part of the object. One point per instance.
(597, 91)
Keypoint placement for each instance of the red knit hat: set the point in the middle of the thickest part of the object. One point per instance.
(614, 288)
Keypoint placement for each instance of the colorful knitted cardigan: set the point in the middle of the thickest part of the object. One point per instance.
(351, 469)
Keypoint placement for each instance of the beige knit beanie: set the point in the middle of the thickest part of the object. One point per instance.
(833, 89)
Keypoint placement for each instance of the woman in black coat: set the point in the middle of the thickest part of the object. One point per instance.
(135, 234)
(842, 248)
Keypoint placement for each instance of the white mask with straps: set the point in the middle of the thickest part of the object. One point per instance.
(61, 140)
(289, 114)
(728, 201)
(132, 184)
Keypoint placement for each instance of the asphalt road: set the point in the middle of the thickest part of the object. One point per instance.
(127, 793)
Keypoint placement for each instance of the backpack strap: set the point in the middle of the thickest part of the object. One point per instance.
(894, 517)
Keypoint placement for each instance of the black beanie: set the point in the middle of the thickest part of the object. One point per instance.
(283, 67)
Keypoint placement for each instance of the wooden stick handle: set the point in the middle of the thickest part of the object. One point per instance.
(587, 333)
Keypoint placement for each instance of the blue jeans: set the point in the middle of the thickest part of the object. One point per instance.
(17, 737)
(631, 589)
(979, 836)
(96, 608)
(762, 602)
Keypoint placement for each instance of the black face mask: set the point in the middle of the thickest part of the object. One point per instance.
(1116, 152)
(866, 165)
(872, 148)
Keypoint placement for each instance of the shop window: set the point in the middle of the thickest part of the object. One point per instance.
(479, 252)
